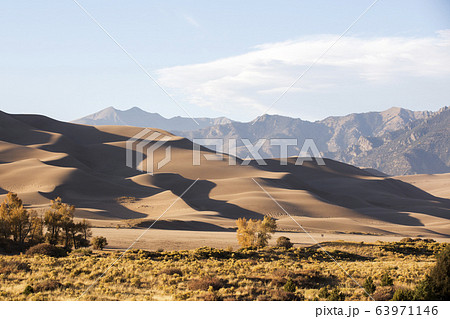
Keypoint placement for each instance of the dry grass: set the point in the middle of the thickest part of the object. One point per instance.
(213, 274)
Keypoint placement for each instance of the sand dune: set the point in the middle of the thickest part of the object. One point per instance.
(41, 158)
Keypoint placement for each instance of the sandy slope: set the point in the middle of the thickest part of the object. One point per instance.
(41, 158)
(437, 185)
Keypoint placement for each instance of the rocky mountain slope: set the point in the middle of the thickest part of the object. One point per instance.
(396, 141)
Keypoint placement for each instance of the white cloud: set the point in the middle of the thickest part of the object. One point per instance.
(253, 80)
(192, 21)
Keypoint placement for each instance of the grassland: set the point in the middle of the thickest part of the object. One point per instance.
(214, 274)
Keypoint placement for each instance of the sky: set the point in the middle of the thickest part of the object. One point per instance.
(224, 58)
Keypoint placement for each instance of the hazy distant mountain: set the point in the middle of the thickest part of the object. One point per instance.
(138, 117)
(421, 146)
(396, 141)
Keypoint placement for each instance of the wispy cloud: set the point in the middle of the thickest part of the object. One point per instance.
(253, 79)
(189, 19)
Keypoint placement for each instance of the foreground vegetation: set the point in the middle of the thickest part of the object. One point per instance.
(387, 270)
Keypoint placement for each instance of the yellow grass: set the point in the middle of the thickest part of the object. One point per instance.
(213, 274)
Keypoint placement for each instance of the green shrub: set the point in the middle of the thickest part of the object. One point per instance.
(336, 295)
(436, 286)
(290, 286)
(28, 290)
(369, 286)
(403, 295)
(323, 293)
(386, 280)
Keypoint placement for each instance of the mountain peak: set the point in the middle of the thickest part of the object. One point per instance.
(135, 109)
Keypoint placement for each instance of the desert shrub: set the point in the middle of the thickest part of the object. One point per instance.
(369, 286)
(283, 295)
(81, 252)
(126, 199)
(290, 286)
(205, 283)
(384, 293)
(208, 252)
(386, 280)
(336, 295)
(282, 272)
(47, 285)
(28, 290)
(99, 242)
(47, 250)
(403, 295)
(314, 279)
(136, 282)
(323, 293)
(171, 271)
(284, 242)
(12, 266)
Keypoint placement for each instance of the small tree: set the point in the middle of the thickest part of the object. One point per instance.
(14, 219)
(52, 221)
(99, 242)
(36, 234)
(265, 229)
(255, 233)
(59, 218)
(81, 232)
(246, 232)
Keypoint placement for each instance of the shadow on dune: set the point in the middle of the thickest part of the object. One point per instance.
(3, 191)
(110, 209)
(347, 186)
(183, 225)
(198, 196)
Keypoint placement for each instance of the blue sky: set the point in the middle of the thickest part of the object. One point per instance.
(224, 58)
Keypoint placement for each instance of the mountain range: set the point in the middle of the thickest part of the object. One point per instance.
(138, 117)
(396, 141)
